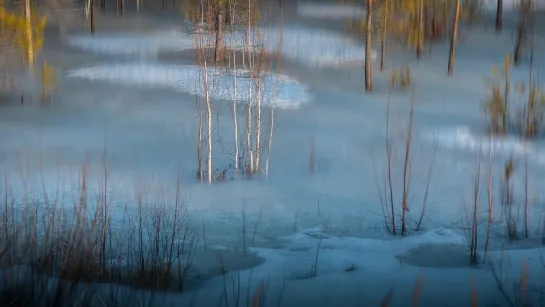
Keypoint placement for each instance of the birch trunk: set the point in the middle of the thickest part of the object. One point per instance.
(453, 38)
(209, 124)
(235, 120)
(249, 108)
(258, 120)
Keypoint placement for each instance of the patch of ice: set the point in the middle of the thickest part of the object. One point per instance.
(187, 78)
(132, 45)
(463, 138)
(329, 11)
(311, 47)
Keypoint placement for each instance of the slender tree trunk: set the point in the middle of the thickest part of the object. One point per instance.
(521, 32)
(420, 43)
(368, 81)
(29, 35)
(209, 127)
(199, 151)
(249, 107)
(258, 118)
(235, 120)
(499, 15)
(218, 25)
(103, 4)
(163, 4)
(453, 37)
(122, 7)
(138, 5)
(92, 16)
(386, 12)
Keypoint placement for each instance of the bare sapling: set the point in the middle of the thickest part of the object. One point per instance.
(490, 198)
(406, 168)
(426, 192)
(257, 224)
(314, 269)
(312, 155)
(508, 199)
(389, 185)
(526, 197)
(473, 243)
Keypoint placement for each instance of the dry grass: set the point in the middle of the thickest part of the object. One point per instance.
(151, 248)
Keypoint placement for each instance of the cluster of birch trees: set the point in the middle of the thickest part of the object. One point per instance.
(244, 56)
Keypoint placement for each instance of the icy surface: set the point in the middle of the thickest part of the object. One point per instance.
(142, 117)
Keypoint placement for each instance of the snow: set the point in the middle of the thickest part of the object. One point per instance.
(134, 45)
(143, 111)
(286, 92)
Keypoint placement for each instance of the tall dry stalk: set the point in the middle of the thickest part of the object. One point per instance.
(490, 200)
(389, 163)
(406, 167)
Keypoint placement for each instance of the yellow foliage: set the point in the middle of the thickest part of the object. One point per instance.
(48, 78)
(14, 26)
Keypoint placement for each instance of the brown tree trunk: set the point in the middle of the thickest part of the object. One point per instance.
(420, 44)
(92, 16)
(163, 4)
(453, 37)
(218, 24)
(499, 16)
(368, 81)
(521, 34)
(384, 34)
(103, 4)
(122, 6)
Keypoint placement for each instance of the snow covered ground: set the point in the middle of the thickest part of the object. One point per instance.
(144, 111)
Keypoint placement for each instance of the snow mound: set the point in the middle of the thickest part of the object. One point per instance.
(187, 78)
(462, 138)
(329, 11)
(132, 45)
